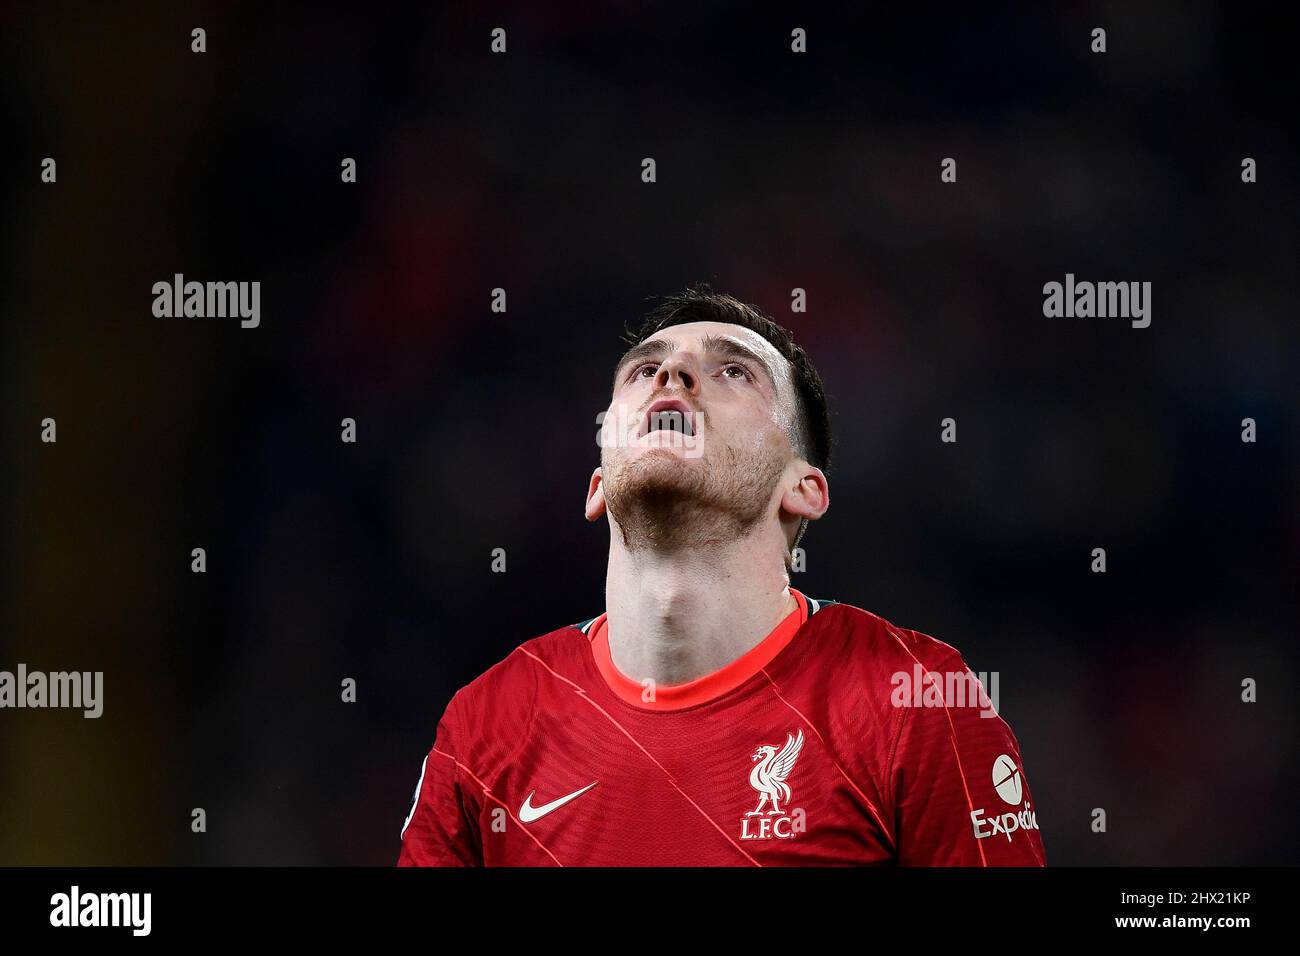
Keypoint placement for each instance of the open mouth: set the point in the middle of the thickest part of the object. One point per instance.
(670, 416)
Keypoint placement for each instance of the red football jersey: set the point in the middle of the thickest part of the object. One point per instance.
(813, 748)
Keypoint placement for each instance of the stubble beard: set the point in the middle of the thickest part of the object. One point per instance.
(663, 504)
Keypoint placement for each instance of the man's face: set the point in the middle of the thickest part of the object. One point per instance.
(697, 433)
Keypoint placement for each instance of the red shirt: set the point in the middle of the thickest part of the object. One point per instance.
(838, 739)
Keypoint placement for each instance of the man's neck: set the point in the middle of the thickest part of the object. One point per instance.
(675, 617)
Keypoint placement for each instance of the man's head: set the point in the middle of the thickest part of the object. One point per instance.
(718, 422)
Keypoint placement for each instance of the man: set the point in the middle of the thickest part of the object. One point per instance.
(714, 715)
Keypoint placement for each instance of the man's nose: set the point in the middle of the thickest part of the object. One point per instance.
(677, 369)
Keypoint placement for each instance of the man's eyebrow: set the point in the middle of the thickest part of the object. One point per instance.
(649, 349)
(711, 344)
(730, 348)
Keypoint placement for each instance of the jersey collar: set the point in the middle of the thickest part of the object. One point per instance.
(702, 689)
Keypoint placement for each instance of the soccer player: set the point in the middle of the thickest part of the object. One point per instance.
(713, 715)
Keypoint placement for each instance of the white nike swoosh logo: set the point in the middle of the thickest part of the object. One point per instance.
(528, 813)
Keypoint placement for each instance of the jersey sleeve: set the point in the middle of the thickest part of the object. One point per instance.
(960, 793)
(439, 831)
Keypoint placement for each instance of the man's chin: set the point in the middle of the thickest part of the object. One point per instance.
(666, 453)
(661, 467)
(674, 443)
(660, 475)
(662, 500)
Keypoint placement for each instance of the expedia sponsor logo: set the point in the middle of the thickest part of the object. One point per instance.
(1008, 782)
(1007, 823)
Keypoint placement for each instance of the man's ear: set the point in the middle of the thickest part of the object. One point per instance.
(595, 497)
(810, 496)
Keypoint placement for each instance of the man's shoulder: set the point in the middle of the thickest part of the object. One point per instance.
(511, 682)
(856, 660)
(872, 641)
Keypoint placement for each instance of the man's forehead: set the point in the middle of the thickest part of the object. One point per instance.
(693, 334)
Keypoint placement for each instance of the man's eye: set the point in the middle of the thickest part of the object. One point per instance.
(740, 370)
(642, 369)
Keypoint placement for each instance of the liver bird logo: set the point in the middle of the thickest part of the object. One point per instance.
(769, 776)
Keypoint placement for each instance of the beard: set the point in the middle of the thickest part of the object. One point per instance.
(664, 504)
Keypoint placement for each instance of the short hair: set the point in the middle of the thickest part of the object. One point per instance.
(699, 303)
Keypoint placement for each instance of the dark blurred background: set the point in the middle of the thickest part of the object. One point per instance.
(476, 430)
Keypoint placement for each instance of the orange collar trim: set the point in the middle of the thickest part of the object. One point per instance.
(702, 689)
